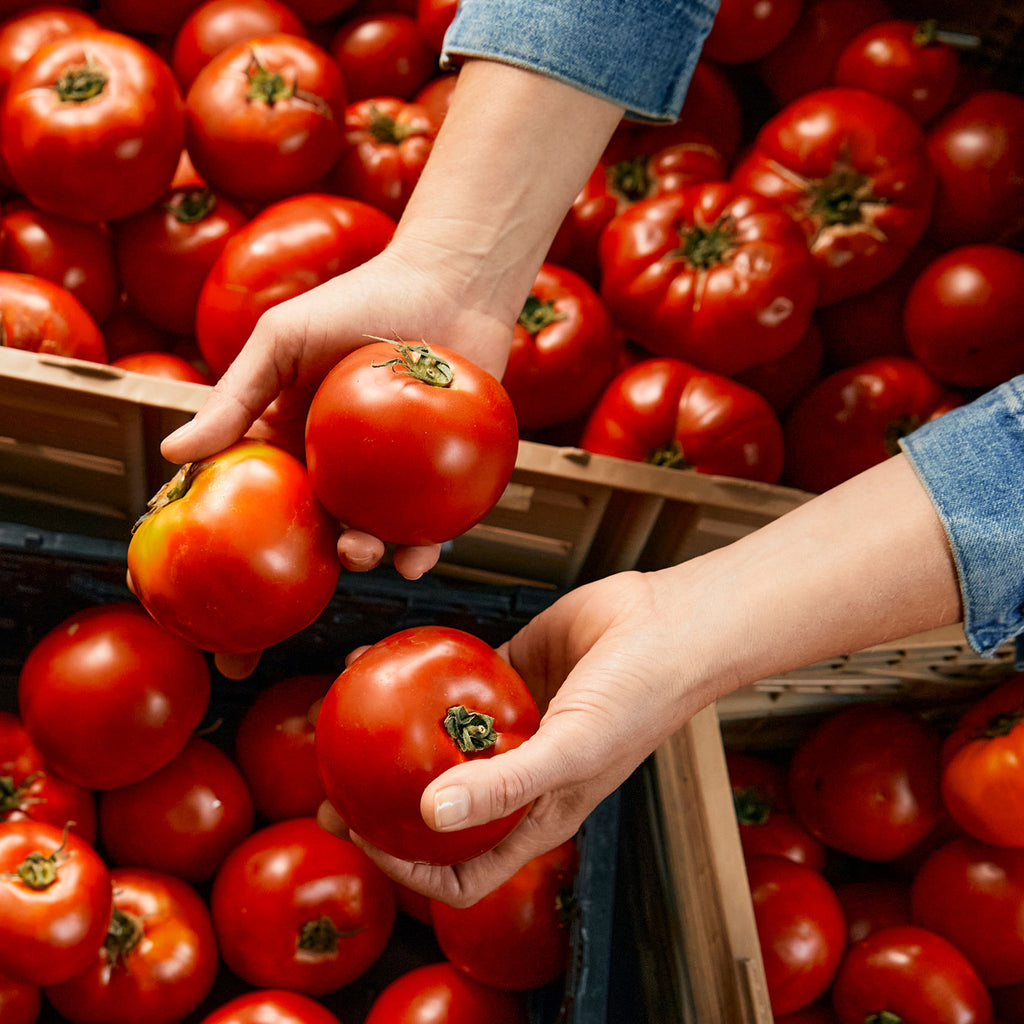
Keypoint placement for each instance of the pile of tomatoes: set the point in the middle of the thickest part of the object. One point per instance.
(885, 856)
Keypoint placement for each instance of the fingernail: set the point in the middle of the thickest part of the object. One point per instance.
(451, 807)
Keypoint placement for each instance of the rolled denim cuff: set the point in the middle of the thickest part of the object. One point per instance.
(638, 54)
(971, 462)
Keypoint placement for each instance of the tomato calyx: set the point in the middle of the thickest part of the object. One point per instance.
(670, 456)
(271, 87)
(81, 82)
(1001, 724)
(175, 488)
(706, 247)
(472, 731)
(124, 933)
(538, 314)
(630, 179)
(421, 362)
(883, 1017)
(926, 33)
(386, 128)
(751, 806)
(39, 871)
(13, 797)
(192, 205)
(841, 196)
(320, 937)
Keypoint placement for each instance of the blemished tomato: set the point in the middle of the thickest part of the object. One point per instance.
(441, 992)
(157, 963)
(271, 1006)
(167, 365)
(184, 819)
(963, 313)
(165, 252)
(745, 30)
(20, 1002)
(800, 929)
(977, 150)
(265, 117)
(29, 789)
(55, 902)
(383, 54)
(972, 893)
(93, 125)
(713, 274)
(109, 696)
(671, 413)
(911, 974)
(852, 169)
(853, 419)
(411, 706)
(288, 248)
(516, 937)
(23, 33)
(38, 315)
(297, 907)
(441, 451)
(274, 748)
(865, 781)
(215, 25)
(236, 554)
(870, 904)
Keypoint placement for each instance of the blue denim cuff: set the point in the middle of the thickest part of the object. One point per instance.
(639, 54)
(971, 462)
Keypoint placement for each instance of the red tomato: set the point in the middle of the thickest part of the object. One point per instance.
(865, 781)
(670, 413)
(20, 1002)
(436, 96)
(271, 1006)
(383, 54)
(712, 274)
(852, 169)
(161, 364)
(164, 254)
(817, 1013)
(873, 903)
(972, 893)
(977, 150)
(158, 961)
(745, 30)
(516, 937)
(55, 902)
(408, 708)
(441, 452)
(265, 117)
(128, 331)
(41, 316)
(904, 61)
(853, 419)
(296, 907)
(387, 144)
(274, 748)
(215, 25)
(314, 12)
(784, 381)
(23, 33)
(412, 903)
(963, 313)
(433, 18)
(109, 696)
(800, 929)
(283, 251)
(441, 992)
(232, 582)
(912, 975)
(93, 126)
(156, 17)
(29, 789)
(183, 819)
(76, 256)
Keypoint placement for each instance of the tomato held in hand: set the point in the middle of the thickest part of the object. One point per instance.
(412, 443)
(236, 554)
(408, 708)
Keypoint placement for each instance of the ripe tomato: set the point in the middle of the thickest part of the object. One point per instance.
(55, 902)
(408, 708)
(40, 316)
(296, 907)
(274, 748)
(800, 929)
(161, 364)
(436, 96)
(215, 25)
(265, 117)
(128, 332)
(288, 248)
(963, 313)
(442, 448)
(165, 252)
(670, 413)
(977, 150)
(516, 937)
(853, 419)
(182, 820)
(109, 696)
(23, 33)
(29, 789)
(383, 54)
(909, 974)
(870, 904)
(271, 1006)
(388, 141)
(236, 554)
(433, 992)
(156, 17)
(158, 961)
(433, 18)
(865, 781)
(852, 169)
(20, 1002)
(745, 30)
(93, 126)
(713, 274)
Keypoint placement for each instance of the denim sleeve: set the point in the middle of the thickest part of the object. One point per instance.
(639, 54)
(971, 462)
